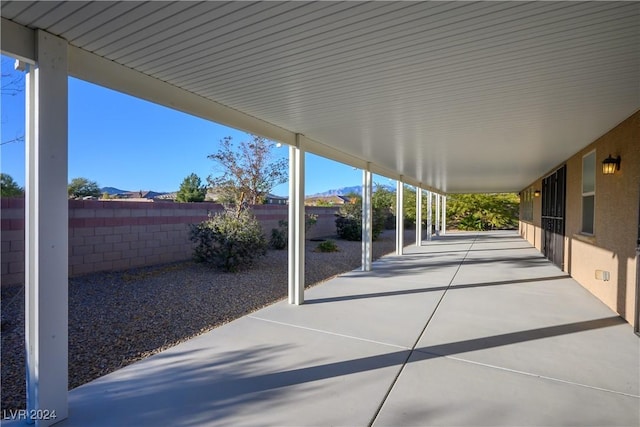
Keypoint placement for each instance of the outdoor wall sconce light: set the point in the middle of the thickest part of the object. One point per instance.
(610, 165)
(536, 193)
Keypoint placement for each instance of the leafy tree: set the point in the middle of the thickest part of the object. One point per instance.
(409, 204)
(483, 211)
(82, 187)
(9, 187)
(248, 172)
(191, 190)
(384, 201)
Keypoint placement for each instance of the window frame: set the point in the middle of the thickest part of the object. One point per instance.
(588, 194)
(527, 205)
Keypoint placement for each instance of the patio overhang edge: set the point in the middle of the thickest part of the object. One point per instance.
(18, 41)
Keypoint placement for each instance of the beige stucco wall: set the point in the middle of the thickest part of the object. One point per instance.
(612, 248)
(532, 230)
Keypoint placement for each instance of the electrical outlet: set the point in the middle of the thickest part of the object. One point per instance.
(603, 275)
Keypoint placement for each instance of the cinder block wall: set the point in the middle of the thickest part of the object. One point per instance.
(12, 238)
(116, 235)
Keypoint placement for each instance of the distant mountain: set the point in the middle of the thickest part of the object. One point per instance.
(113, 190)
(146, 194)
(357, 189)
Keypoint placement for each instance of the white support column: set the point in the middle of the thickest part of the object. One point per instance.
(418, 216)
(367, 220)
(429, 214)
(399, 217)
(444, 215)
(437, 214)
(296, 224)
(47, 230)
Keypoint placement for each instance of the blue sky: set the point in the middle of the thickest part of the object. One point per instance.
(123, 142)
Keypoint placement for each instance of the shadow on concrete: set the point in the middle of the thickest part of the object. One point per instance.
(219, 387)
(432, 289)
(517, 337)
(407, 267)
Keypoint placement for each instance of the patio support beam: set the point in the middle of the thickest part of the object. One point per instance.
(17, 41)
(429, 214)
(46, 231)
(437, 214)
(443, 221)
(367, 219)
(399, 217)
(296, 223)
(418, 216)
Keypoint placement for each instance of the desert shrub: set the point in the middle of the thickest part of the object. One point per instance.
(309, 221)
(389, 221)
(230, 240)
(327, 246)
(349, 228)
(349, 220)
(279, 236)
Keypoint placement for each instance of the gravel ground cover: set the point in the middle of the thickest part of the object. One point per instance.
(117, 318)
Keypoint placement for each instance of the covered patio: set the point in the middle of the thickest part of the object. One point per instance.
(469, 329)
(448, 97)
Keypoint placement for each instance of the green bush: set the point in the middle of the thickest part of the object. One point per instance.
(309, 221)
(230, 240)
(349, 220)
(327, 246)
(483, 211)
(279, 236)
(349, 228)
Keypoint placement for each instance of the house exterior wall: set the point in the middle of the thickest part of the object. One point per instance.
(532, 230)
(116, 235)
(612, 247)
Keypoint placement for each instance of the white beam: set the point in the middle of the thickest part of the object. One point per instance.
(296, 224)
(17, 41)
(443, 226)
(418, 216)
(367, 220)
(429, 214)
(437, 214)
(46, 231)
(399, 217)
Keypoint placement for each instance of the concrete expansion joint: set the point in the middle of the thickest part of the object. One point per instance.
(529, 374)
(415, 344)
(322, 331)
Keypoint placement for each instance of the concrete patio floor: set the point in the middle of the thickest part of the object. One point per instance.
(470, 329)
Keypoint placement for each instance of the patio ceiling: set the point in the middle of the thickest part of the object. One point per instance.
(457, 96)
